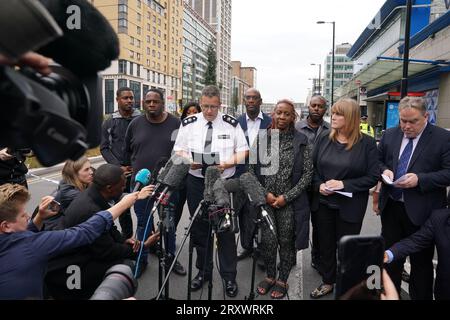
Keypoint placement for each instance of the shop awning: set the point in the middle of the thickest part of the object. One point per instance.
(379, 74)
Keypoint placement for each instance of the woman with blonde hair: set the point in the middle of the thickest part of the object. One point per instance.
(346, 160)
(76, 177)
(286, 201)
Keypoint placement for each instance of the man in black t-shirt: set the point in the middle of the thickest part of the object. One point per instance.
(149, 138)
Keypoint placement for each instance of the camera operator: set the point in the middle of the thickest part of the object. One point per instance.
(12, 166)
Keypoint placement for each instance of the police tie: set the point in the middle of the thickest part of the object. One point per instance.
(208, 141)
(402, 168)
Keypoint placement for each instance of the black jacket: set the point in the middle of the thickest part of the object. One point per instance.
(113, 137)
(436, 230)
(430, 161)
(110, 245)
(14, 169)
(362, 174)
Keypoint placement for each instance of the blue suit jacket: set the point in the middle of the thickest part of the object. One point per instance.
(430, 161)
(265, 123)
(435, 230)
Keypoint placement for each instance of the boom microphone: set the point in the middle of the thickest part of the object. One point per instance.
(221, 197)
(233, 186)
(255, 192)
(212, 174)
(141, 179)
(85, 48)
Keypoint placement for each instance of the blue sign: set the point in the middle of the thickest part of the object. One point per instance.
(392, 116)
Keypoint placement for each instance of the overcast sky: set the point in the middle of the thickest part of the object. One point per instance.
(281, 39)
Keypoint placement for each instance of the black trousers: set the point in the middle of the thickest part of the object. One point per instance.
(331, 228)
(202, 236)
(247, 217)
(125, 221)
(396, 226)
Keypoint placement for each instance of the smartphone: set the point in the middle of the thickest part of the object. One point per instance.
(54, 206)
(359, 266)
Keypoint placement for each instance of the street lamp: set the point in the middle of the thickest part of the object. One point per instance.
(320, 73)
(404, 82)
(332, 59)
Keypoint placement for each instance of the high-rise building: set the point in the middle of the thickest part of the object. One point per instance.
(242, 78)
(151, 47)
(198, 35)
(218, 14)
(343, 69)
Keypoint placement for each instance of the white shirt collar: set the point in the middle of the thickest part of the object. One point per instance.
(260, 116)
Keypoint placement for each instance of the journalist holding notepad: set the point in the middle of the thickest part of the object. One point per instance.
(345, 161)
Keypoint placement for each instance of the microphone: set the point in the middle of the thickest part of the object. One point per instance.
(212, 174)
(255, 192)
(141, 179)
(237, 200)
(173, 178)
(161, 167)
(86, 48)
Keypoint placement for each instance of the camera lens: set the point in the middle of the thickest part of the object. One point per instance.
(119, 283)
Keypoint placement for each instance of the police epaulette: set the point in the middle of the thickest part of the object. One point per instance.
(230, 120)
(189, 120)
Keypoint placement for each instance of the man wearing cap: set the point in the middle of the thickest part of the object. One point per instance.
(365, 127)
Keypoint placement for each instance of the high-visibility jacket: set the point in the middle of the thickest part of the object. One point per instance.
(367, 129)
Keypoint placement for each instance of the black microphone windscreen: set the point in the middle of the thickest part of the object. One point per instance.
(253, 188)
(158, 169)
(162, 174)
(233, 186)
(84, 50)
(221, 196)
(211, 175)
(176, 174)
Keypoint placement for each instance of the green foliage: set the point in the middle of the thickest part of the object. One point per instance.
(210, 73)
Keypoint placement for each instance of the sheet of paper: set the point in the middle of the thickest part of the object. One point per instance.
(388, 180)
(345, 194)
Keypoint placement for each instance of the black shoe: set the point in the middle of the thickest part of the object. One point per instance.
(198, 281)
(179, 269)
(244, 254)
(231, 289)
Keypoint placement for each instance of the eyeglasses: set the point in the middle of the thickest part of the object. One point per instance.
(209, 107)
(251, 98)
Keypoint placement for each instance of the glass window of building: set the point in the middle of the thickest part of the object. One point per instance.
(122, 83)
(109, 96)
(136, 88)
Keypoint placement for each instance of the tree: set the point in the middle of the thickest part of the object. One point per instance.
(210, 73)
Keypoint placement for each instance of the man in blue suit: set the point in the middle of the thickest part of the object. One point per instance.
(416, 156)
(251, 122)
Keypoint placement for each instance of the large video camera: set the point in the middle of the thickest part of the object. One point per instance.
(58, 116)
(118, 284)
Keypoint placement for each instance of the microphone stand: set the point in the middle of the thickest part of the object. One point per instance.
(187, 233)
(255, 254)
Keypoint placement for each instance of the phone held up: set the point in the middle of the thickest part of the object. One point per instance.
(360, 266)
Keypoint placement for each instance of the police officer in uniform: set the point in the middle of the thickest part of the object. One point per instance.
(365, 127)
(207, 133)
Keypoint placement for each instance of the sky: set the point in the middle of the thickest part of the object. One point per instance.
(281, 39)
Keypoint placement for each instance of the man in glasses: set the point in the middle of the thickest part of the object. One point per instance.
(251, 122)
(313, 127)
(206, 138)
